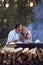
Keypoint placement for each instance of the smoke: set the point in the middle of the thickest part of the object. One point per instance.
(36, 27)
(38, 11)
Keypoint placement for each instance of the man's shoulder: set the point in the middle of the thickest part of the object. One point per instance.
(12, 31)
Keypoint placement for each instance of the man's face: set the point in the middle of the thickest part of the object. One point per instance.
(20, 27)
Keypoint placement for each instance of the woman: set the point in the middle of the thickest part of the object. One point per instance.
(25, 35)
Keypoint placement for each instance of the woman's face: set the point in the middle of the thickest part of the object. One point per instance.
(24, 31)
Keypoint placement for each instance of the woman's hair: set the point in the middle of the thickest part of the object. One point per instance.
(25, 28)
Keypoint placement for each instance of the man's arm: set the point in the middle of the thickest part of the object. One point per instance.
(12, 37)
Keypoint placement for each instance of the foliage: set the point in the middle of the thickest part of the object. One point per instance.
(18, 11)
(2, 42)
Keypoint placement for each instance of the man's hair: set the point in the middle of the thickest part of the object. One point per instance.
(17, 25)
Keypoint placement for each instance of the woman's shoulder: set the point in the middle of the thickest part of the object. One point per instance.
(29, 33)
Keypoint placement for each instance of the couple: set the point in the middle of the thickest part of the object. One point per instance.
(20, 33)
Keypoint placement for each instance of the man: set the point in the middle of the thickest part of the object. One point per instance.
(13, 35)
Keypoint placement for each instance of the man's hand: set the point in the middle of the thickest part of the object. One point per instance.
(16, 40)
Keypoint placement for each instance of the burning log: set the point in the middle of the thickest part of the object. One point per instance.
(20, 56)
(39, 53)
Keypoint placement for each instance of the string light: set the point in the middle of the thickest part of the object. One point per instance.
(2, 0)
(5, 20)
(7, 5)
(31, 4)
